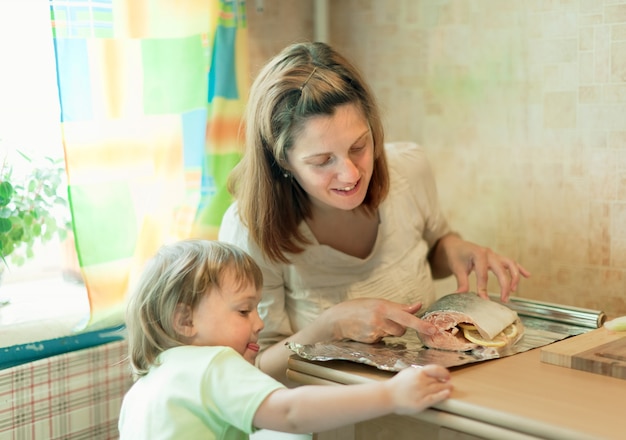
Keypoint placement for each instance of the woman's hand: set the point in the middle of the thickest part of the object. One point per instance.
(369, 320)
(463, 257)
(365, 320)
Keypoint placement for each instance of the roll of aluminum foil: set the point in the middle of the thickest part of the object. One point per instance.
(587, 318)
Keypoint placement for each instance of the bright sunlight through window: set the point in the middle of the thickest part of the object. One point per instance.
(29, 110)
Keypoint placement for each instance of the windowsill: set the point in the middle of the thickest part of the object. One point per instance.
(41, 309)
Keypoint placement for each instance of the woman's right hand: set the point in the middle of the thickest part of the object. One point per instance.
(369, 320)
(365, 320)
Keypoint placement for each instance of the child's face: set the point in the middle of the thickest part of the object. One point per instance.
(229, 318)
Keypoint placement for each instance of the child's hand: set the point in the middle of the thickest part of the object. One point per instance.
(415, 389)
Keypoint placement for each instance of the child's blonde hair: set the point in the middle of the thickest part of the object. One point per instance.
(181, 272)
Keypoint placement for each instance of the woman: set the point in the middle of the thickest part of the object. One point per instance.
(347, 230)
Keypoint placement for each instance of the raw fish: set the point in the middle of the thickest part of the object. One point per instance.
(454, 311)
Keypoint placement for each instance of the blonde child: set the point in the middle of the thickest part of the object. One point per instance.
(193, 328)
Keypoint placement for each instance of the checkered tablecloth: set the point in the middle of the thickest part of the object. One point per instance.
(74, 395)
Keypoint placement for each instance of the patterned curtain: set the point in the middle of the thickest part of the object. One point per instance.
(151, 94)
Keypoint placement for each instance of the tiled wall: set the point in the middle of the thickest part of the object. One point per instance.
(521, 106)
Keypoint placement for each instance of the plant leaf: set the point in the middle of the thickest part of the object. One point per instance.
(6, 193)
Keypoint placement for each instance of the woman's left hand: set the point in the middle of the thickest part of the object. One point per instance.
(463, 258)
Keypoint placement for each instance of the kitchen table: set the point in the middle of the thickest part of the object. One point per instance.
(516, 397)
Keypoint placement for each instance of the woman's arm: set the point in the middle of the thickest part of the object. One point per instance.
(364, 320)
(438, 259)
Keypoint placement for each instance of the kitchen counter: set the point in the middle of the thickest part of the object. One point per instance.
(517, 397)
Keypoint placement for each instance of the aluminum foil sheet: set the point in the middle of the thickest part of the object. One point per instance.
(544, 323)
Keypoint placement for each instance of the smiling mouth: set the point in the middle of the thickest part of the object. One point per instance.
(348, 188)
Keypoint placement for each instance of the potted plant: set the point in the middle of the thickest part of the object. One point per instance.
(33, 209)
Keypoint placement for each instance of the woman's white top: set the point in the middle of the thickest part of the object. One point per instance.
(397, 269)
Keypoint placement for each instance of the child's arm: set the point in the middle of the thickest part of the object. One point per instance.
(320, 408)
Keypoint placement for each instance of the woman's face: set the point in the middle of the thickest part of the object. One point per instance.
(333, 158)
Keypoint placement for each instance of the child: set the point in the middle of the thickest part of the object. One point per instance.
(193, 327)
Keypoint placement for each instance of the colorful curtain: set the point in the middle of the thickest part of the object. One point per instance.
(151, 94)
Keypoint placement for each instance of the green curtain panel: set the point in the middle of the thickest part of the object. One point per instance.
(152, 93)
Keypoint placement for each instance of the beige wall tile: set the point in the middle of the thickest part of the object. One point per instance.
(618, 32)
(614, 92)
(559, 110)
(602, 54)
(589, 94)
(615, 13)
(590, 7)
(586, 38)
(618, 62)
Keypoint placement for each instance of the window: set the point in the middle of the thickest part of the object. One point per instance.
(29, 122)
(29, 105)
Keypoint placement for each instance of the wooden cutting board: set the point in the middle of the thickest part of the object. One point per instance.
(599, 351)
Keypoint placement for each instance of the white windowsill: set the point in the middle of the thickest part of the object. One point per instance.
(41, 309)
